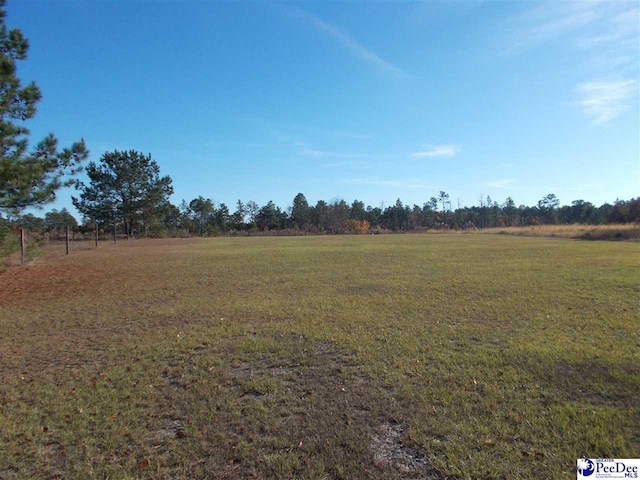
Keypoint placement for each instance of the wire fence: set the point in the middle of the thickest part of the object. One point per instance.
(22, 247)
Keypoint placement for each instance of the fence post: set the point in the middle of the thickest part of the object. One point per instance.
(22, 252)
(96, 223)
(66, 238)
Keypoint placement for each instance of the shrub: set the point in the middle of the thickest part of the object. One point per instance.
(10, 246)
(8, 243)
(356, 227)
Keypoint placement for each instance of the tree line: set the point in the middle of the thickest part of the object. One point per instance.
(126, 188)
(202, 217)
(126, 192)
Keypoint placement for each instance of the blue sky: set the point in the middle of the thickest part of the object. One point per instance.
(355, 100)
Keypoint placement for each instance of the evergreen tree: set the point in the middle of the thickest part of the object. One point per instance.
(27, 178)
(58, 220)
(126, 185)
(300, 212)
(357, 210)
(238, 215)
(269, 217)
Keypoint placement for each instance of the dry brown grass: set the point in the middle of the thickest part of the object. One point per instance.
(586, 232)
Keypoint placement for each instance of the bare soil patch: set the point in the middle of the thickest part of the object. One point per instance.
(45, 282)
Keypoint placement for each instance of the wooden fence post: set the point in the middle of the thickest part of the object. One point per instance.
(22, 251)
(66, 238)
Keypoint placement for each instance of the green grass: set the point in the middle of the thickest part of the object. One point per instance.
(421, 356)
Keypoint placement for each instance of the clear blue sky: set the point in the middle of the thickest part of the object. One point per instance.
(354, 100)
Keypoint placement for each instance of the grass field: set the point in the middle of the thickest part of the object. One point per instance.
(383, 357)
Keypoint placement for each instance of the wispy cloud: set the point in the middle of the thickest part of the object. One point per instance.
(346, 134)
(606, 36)
(596, 40)
(589, 187)
(430, 151)
(571, 20)
(583, 24)
(355, 164)
(306, 150)
(384, 182)
(238, 144)
(310, 152)
(606, 100)
(502, 183)
(619, 25)
(345, 39)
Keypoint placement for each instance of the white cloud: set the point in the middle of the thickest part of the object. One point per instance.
(355, 164)
(606, 100)
(594, 21)
(431, 151)
(607, 32)
(616, 32)
(305, 150)
(597, 40)
(347, 42)
(568, 22)
(588, 187)
(311, 152)
(502, 183)
(346, 134)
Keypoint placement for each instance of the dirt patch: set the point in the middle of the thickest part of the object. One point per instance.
(391, 451)
(320, 410)
(170, 428)
(593, 381)
(79, 342)
(44, 282)
(173, 380)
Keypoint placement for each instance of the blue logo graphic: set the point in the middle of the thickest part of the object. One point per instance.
(586, 467)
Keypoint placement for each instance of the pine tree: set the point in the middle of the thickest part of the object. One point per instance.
(125, 185)
(27, 178)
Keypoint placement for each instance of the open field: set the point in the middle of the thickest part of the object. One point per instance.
(383, 357)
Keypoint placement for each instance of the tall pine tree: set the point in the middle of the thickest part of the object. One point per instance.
(27, 178)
